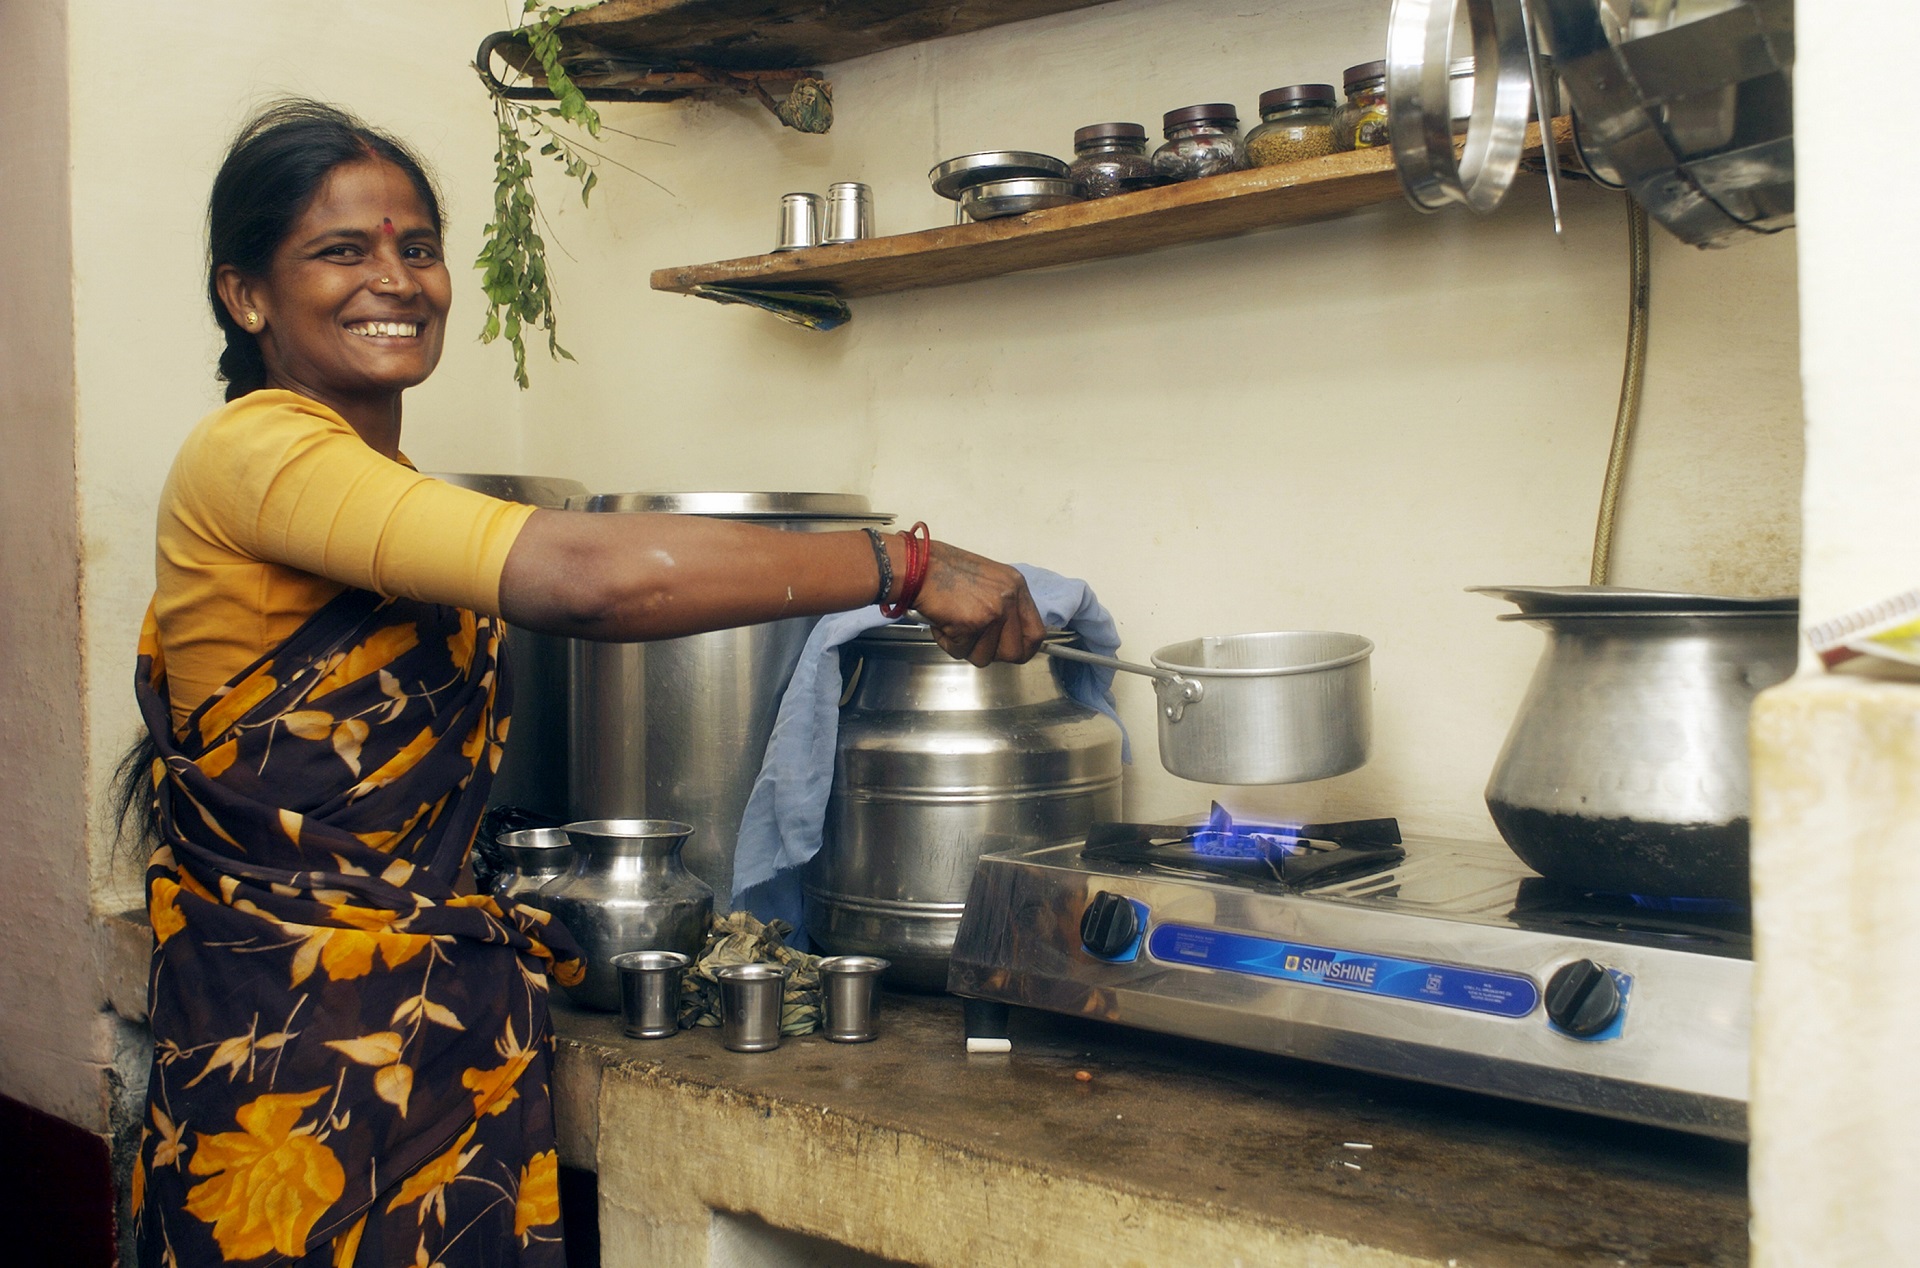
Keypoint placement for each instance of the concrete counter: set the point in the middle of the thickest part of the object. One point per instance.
(1172, 1152)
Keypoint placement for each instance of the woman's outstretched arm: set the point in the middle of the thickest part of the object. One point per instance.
(630, 577)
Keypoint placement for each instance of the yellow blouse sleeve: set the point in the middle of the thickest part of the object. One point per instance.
(282, 479)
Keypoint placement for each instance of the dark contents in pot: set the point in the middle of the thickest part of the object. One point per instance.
(1629, 856)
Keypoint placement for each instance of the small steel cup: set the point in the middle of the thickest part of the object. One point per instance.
(847, 983)
(650, 992)
(750, 996)
(800, 219)
(849, 212)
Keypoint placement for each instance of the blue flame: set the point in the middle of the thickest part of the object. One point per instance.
(1707, 906)
(1223, 838)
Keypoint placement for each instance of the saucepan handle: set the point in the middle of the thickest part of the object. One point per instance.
(1175, 692)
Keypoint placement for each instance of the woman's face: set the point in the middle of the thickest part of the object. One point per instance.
(354, 304)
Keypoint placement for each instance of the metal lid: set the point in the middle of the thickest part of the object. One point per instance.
(1108, 132)
(740, 506)
(1354, 76)
(1297, 95)
(544, 491)
(919, 632)
(950, 178)
(1212, 112)
(1554, 601)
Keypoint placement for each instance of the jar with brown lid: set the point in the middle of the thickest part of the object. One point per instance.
(1296, 123)
(1361, 123)
(1111, 158)
(1201, 141)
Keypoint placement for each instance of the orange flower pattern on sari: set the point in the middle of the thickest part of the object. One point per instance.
(428, 1184)
(307, 935)
(494, 1090)
(538, 1200)
(370, 657)
(162, 911)
(271, 1179)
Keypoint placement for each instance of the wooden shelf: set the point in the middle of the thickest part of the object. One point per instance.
(775, 34)
(1127, 224)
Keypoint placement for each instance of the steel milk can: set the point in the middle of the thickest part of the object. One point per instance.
(938, 763)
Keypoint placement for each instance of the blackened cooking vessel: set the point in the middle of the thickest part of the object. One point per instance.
(1626, 768)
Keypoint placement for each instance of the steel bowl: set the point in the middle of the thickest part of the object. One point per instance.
(955, 176)
(1017, 197)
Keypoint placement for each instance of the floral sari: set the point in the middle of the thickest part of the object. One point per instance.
(351, 1060)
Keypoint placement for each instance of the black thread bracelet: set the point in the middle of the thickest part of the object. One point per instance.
(886, 565)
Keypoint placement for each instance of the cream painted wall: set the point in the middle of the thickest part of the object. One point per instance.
(1338, 426)
(52, 1054)
(1836, 1108)
(1441, 419)
(109, 362)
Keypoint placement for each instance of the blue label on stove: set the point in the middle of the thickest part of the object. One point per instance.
(1448, 985)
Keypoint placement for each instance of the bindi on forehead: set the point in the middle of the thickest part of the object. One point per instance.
(386, 227)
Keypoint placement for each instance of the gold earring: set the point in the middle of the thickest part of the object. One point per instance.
(253, 318)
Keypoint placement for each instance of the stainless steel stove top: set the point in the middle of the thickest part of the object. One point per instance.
(1455, 965)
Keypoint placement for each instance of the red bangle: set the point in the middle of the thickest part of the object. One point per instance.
(919, 555)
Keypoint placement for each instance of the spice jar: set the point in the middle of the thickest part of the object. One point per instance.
(1296, 123)
(1110, 158)
(1201, 141)
(1361, 124)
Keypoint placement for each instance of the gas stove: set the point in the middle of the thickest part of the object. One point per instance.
(1438, 960)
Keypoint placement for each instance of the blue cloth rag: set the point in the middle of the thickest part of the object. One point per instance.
(781, 827)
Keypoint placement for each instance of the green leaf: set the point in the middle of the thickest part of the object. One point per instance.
(512, 256)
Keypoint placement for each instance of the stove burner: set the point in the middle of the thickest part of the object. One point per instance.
(1290, 857)
(1708, 924)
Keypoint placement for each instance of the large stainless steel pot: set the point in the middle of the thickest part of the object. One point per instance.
(1626, 769)
(678, 728)
(533, 768)
(938, 763)
(1281, 707)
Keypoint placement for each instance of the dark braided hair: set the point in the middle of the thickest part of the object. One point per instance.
(272, 171)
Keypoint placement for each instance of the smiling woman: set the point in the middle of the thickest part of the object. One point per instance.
(351, 309)
(361, 1051)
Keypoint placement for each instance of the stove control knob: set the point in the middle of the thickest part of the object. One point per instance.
(1582, 998)
(1109, 927)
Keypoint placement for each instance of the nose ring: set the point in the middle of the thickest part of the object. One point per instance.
(386, 281)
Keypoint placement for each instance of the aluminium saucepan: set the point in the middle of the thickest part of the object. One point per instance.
(1280, 707)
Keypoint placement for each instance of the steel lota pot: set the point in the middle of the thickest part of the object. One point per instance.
(1626, 769)
(539, 856)
(1281, 707)
(628, 891)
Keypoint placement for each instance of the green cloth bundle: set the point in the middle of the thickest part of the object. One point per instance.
(738, 938)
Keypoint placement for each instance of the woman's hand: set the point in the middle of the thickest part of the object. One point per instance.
(979, 610)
